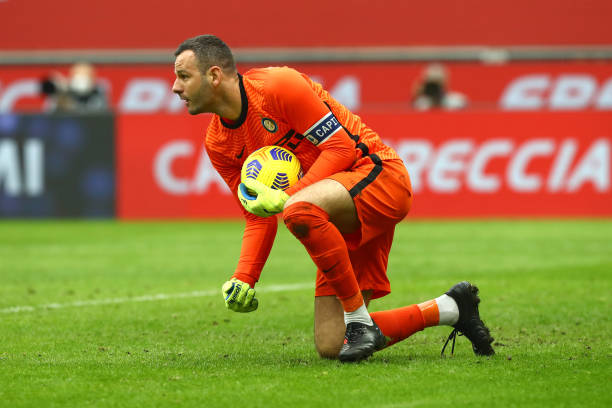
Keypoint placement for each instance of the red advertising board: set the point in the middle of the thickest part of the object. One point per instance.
(162, 170)
(462, 164)
(116, 24)
(366, 87)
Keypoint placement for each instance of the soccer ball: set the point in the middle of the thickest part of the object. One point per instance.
(274, 166)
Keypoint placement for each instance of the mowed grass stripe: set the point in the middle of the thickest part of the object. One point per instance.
(149, 298)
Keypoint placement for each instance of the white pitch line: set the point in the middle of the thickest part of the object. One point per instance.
(149, 298)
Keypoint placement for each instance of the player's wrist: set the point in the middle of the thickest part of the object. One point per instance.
(246, 278)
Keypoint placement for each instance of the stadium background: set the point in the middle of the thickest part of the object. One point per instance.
(533, 141)
(512, 194)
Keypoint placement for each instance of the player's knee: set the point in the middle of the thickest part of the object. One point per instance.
(328, 349)
(329, 354)
(298, 218)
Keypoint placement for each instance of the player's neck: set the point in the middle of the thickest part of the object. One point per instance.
(230, 100)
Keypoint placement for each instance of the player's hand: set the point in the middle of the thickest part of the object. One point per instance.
(239, 296)
(265, 202)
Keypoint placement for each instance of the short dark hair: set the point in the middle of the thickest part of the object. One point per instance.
(209, 50)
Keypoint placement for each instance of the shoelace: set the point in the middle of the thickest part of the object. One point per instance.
(453, 336)
(348, 334)
(353, 330)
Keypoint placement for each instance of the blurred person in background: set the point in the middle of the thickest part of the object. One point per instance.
(79, 92)
(432, 92)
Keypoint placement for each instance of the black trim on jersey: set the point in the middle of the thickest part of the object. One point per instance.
(244, 109)
(361, 146)
(378, 166)
(352, 136)
(364, 149)
(285, 138)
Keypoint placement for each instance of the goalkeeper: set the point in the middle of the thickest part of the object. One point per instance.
(344, 210)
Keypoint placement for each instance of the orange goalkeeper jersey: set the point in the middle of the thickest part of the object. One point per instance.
(283, 107)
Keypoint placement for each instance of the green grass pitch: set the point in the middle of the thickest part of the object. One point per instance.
(111, 314)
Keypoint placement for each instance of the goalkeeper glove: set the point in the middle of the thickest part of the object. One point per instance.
(266, 201)
(239, 296)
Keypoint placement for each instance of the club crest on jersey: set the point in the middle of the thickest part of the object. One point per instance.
(323, 129)
(269, 125)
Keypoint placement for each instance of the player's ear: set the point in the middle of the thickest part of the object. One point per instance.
(214, 75)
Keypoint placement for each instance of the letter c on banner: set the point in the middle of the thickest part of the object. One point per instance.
(477, 180)
(162, 167)
(518, 179)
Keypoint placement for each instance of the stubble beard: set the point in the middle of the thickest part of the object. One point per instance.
(201, 107)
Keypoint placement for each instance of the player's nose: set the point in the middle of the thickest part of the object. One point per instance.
(176, 87)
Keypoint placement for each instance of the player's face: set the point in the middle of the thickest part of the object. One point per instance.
(190, 85)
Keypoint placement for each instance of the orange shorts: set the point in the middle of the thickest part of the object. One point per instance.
(382, 195)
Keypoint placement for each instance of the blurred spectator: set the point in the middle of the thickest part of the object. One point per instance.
(432, 91)
(80, 92)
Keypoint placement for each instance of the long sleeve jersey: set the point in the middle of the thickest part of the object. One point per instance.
(283, 107)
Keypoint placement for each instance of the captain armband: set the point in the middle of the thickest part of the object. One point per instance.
(323, 129)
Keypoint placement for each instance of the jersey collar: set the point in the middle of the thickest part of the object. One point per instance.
(244, 108)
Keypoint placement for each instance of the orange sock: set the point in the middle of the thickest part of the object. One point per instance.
(431, 314)
(326, 247)
(399, 324)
